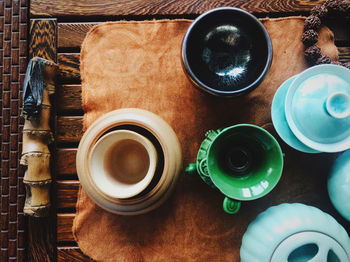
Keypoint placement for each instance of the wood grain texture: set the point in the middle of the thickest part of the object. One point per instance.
(71, 254)
(64, 227)
(344, 54)
(69, 129)
(43, 38)
(41, 232)
(71, 35)
(41, 238)
(340, 28)
(69, 67)
(66, 193)
(68, 98)
(57, 8)
(65, 161)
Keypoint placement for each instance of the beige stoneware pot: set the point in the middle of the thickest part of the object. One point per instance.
(168, 159)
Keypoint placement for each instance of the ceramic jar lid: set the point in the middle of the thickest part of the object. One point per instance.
(317, 108)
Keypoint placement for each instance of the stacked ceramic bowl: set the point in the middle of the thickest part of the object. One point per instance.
(128, 161)
(311, 111)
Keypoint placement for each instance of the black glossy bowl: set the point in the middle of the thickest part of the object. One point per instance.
(226, 52)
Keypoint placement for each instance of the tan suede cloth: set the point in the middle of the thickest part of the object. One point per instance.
(138, 64)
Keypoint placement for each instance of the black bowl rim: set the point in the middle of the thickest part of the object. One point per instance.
(195, 80)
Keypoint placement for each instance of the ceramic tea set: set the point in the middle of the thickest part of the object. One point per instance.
(128, 161)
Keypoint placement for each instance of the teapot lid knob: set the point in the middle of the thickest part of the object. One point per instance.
(338, 105)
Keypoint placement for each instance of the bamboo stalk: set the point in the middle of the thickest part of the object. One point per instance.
(39, 85)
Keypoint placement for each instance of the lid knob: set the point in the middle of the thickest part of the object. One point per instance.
(338, 105)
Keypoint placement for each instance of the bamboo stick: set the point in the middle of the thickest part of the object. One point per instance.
(39, 85)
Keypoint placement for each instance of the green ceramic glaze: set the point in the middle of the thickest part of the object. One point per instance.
(244, 162)
(231, 206)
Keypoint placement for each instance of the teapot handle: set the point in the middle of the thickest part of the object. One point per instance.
(191, 169)
(231, 206)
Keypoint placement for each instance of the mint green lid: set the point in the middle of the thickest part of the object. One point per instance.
(317, 108)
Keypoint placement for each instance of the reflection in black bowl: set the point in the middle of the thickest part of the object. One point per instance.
(226, 52)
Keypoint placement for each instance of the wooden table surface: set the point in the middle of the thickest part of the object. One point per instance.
(55, 29)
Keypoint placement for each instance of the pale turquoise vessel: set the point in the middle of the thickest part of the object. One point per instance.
(311, 111)
(294, 233)
(280, 122)
(339, 185)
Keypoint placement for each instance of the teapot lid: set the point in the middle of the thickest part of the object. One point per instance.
(317, 108)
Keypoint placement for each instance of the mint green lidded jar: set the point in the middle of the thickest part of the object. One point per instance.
(294, 233)
(311, 111)
(243, 161)
(338, 185)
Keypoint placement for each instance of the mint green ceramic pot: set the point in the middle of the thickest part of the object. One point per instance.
(243, 161)
(294, 233)
(311, 111)
(339, 185)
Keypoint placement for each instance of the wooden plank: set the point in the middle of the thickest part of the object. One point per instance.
(69, 65)
(344, 54)
(69, 129)
(41, 232)
(64, 227)
(340, 28)
(71, 254)
(68, 98)
(71, 35)
(58, 8)
(65, 161)
(43, 38)
(66, 193)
